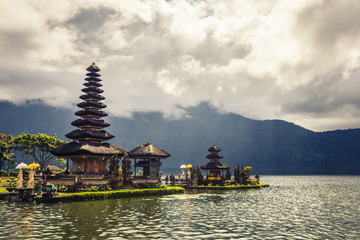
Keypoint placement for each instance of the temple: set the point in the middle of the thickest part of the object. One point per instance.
(214, 168)
(89, 149)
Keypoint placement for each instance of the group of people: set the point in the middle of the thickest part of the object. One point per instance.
(171, 178)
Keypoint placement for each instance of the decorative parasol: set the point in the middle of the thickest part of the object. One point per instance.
(189, 166)
(21, 165)
(33, 166)
(183, 166)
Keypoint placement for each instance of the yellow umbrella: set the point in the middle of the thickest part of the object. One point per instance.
(189, 166)
(33, 166)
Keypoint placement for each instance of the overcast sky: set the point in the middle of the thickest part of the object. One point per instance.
(293, 60)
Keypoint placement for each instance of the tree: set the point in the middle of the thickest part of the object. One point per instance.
(38, 146)
(61, 162)
(6, 148)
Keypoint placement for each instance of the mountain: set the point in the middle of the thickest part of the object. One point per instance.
(270, 146)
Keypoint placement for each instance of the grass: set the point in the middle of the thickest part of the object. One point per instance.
(3, 190)
(86, 196)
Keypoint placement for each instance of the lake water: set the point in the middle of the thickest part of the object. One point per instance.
(293, 207)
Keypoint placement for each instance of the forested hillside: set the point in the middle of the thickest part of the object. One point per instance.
(270, 147)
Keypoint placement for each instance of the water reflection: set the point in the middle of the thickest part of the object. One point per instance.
(292, 208)
(23, 220)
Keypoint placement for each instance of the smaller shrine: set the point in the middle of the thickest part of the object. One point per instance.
(148, 157)
(215, 170)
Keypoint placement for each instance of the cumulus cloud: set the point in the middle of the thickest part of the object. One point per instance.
(261, 59)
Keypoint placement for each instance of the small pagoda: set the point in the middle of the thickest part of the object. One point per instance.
(214, 168)
(148, 157)
(89, 149)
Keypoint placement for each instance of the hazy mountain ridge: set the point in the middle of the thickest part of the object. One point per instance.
(270, 146)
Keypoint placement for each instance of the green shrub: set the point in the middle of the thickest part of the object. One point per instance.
(68, 188)
(101, 188)
(12, 183)
(84, 196)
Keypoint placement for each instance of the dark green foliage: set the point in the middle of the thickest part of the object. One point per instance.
(68, 188)
(105, 187)
(6, 150)
(150, 185)
(38, 146)
(12, 183)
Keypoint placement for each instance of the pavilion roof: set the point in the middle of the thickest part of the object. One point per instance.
(148, 150)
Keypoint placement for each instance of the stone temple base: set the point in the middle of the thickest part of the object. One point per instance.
(74, 179)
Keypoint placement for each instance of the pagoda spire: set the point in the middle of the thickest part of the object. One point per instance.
(90, 125)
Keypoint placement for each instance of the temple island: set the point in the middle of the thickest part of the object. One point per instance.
(95, 162)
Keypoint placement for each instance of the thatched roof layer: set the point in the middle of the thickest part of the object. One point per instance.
(148, 151)
(93, 78)
(91, 122)
(214, 166)
(77, 149)
(93, 74)
(93, 68)
(214, 155)
(91, 96)
(91, 112)
(92, 89)
(92, 84)
(91, 103)
(88, 133)
(214, 148)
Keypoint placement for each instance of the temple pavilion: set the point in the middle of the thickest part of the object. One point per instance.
(89, 149)
(215, 168)
(148, 157)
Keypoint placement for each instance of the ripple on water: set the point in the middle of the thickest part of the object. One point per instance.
(315, 207)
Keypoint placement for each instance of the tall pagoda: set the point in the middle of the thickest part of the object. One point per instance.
(89, 149)
(214, 166)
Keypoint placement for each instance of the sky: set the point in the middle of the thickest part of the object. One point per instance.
(297, 61)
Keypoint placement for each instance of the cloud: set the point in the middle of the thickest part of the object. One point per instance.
(264, 59)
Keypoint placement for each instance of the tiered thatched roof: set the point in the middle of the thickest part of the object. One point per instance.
(90, 134)
(214, 157)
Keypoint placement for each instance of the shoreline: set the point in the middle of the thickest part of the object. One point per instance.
(127, 193)
(241, 187)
